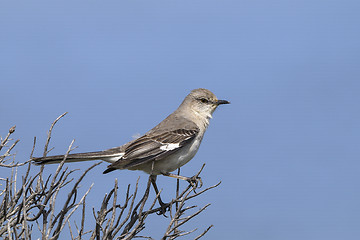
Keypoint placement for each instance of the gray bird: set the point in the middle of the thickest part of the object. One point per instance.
(163, 149)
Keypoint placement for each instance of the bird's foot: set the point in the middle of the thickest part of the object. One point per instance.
(195, 182)
(163, 208)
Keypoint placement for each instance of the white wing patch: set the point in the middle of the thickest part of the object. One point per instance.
(169, 146)
(112, 158)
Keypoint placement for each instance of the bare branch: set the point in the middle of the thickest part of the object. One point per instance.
(121, 214)
(49, 134)
(6, 139)
(5, 157)
(198, 237)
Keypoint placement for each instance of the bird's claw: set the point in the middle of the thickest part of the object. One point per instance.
(195, 182)
(163, 208)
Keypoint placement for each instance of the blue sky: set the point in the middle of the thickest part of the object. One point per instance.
(286, 149)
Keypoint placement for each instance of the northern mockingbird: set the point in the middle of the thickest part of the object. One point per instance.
(163, 149)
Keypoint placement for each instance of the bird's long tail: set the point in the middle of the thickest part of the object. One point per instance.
(110, 155)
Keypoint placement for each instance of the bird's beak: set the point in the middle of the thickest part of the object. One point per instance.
(222, 102)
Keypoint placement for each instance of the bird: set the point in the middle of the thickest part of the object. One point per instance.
(166, 147)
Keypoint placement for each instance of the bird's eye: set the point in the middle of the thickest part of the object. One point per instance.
(204, 100)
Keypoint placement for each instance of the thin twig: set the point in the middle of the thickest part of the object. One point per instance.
(49, 134)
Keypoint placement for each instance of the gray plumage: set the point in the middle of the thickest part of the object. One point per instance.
(166, 147)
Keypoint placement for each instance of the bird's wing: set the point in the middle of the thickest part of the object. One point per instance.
(154, 146)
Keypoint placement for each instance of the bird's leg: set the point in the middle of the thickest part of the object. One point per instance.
(194, 180)
(164, 206)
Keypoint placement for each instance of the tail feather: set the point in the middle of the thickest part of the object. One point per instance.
(110, 156)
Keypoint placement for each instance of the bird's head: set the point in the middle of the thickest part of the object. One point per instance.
(203, 102)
